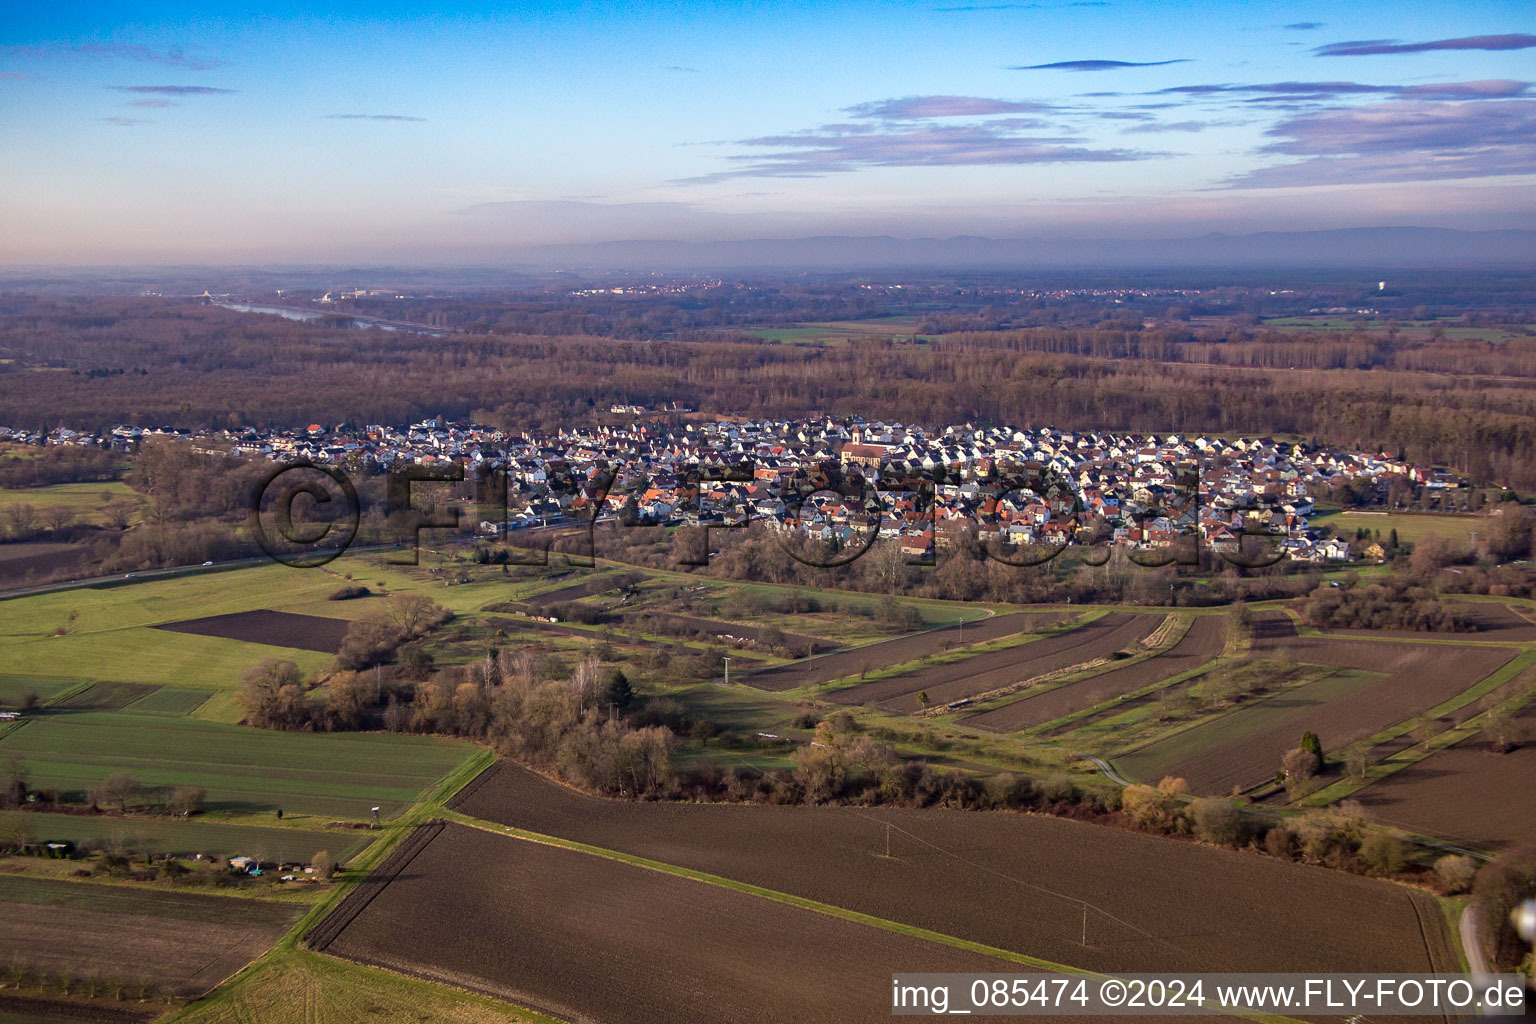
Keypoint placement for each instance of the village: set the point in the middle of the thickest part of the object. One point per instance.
(1018, 487)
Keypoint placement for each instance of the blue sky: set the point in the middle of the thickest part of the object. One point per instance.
(160, 132)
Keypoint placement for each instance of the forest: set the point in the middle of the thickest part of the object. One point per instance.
(1451, 401)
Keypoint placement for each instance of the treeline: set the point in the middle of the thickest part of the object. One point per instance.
(213, 367)
(59, 464)
(1390, 604)
(964, 572)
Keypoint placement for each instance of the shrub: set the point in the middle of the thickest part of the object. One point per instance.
(323, 864)
(1299, 764)
(1456, 871)
(1280, 842)
(349, 592)
(1384, 853)
(1055, 787)
(1217, 820)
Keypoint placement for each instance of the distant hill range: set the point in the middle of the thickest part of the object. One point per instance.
(1346, 248)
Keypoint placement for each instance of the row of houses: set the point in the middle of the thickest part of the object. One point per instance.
(1011, 485)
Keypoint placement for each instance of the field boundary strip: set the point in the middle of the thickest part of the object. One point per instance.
(800, 902)
(355, 902)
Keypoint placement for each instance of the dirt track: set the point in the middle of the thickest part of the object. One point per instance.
(897, 650)
(1010, 880)
(994, 670)
(1200, 644)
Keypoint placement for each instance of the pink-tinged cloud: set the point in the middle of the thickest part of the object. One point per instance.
(840, 148)
(913, 108)
(1400, 142)
(1373, 47)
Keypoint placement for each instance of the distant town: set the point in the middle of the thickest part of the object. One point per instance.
(1127, 489)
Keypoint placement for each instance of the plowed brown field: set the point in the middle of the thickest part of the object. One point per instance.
(1464, 793)
(897, 651)
(1008, 880)
(590, 939)
(280, 629)
(1244, 747)
(181, 942)
(1200, 644)
(984, 672)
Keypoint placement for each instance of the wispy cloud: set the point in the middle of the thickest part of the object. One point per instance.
(912, 108)
(373, 117)
(118, 51)
(1303, 26)
(1095, 65)
(152, 103)
(969, 8)
(681, 69)
(1493, 88)
(1401, 141)
(12, 75)
(126, 122)
(1167, 126)
(841, 148)
(175, 90)
(1371, 47)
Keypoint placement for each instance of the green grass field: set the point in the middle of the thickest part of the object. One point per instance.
(243, 770)
(294, 986)
(1410, 527)
(15, 685)
(87, 500)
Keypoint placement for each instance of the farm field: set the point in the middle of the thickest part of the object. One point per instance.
(16, 685)
(106, 632)
(87, 500)
(264, 626)
(1411, 527)
(1463, 793)
(898, 651)
(179, 941)
(980, 876)
(29, 562)
(1201, 644)
(304, 988)
(839, 330)
(1419, 329)
(594, 582)
(243, 770)
(985, 672)
(169, 836)
(585, 938)
(1382, 683)
(714, 628)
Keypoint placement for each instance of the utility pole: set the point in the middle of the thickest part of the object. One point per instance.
(887, 840)
(1085, 925)
(727, 670)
